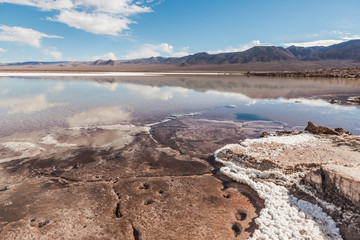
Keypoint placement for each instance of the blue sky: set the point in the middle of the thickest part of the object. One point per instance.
(55, 30)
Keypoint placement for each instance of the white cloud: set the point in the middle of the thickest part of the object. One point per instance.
(23, 35)
(352, 37)
(27, 105)
(339, 33)
(53, 53)
(43, 4)
(107, 56)
(152, 50)
(240, 48)
(3, 50)
(341, 36)
(98, 23)
(94, 16)
(323, 43)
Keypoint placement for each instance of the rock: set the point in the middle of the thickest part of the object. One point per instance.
(346, 180)
(339, 184)
(314, 129)
(355, 99)
(341, 131)
(264, 134)
(335, 101)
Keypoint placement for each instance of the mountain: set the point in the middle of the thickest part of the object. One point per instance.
(346, 51)
(255, 54)
(304, 52)
(30, 63)
(343, 51)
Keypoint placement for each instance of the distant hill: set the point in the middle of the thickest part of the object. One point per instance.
(348, 51)
(30, 63)
(344, 51)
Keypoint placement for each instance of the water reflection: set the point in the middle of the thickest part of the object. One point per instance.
(163, 93)
(99, 116)
(28, 104)
(31, 104)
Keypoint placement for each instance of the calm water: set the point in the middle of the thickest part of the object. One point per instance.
(28, 104)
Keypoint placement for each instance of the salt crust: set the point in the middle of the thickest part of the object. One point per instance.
(172, 117)
(299, 139)
(259, 148)
(50, 140)
(18, 146)
(26, 149)
(284, 216)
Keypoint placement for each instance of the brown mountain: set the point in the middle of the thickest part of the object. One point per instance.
(346, 51)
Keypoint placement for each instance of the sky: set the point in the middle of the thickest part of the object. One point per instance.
(86, 30)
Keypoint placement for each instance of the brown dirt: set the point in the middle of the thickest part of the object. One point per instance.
(150, 188)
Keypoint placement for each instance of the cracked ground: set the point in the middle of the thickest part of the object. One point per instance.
(160, 185)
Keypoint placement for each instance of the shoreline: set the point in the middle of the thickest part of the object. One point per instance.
(346, 73)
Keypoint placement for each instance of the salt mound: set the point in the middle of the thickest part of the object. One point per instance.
(299, 139)
(284, 216)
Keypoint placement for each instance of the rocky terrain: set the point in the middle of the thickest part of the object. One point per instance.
(124, 181)
(100, 180)
(328, 73)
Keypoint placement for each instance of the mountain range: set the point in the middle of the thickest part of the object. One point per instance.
(348, 51)
(344, 51)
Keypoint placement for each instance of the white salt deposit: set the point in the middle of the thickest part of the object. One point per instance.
(186, 114)
(26, 149)
(18, 146)
(284, 216)
(50, 140)
(273, 146)
(288, 140)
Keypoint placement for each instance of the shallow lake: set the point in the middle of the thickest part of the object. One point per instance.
(28, 104)
(134, 150)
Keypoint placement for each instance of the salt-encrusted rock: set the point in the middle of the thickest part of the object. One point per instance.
(314, 129)
(338, 183)
(355, 99)
(327, 167)
(346, 180)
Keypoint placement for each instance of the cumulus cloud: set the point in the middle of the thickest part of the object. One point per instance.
(240, 48)
(23, 35)
(53, 53)
(153, 50)
(329, 38)
(99, 17)
(3, 50)
(352, 37)
(98, 23)
(43, 4)
(107, 56)
(323, 43)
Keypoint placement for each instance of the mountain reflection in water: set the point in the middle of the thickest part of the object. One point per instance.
(38, 103)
